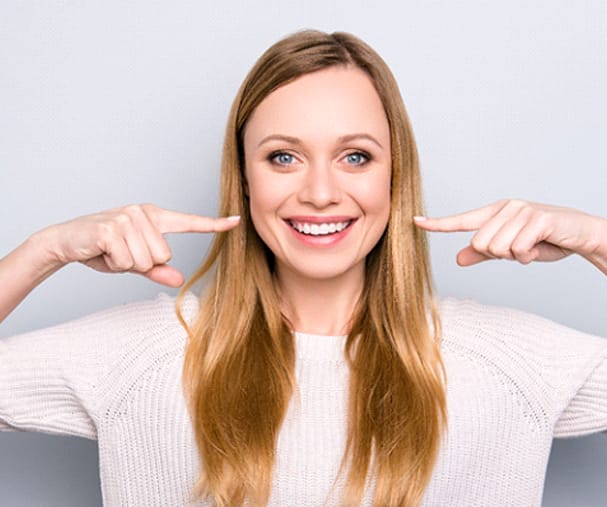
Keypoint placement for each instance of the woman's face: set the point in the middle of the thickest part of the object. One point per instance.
(317, 167)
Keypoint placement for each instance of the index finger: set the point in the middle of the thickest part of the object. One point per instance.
(467, 221)
(168, 221)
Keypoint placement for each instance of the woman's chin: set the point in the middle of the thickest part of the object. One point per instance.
(320, 270)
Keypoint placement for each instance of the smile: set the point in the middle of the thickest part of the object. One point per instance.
(322, 229)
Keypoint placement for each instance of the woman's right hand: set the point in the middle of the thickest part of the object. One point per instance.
(126, 239)
(117, 240)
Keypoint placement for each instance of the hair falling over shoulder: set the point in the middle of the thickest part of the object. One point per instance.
(238, 374)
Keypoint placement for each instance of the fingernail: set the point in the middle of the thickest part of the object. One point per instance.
(419, 218)
(233, 218)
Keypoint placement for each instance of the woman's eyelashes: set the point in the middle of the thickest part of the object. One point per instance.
(283, 158)
(358, 158)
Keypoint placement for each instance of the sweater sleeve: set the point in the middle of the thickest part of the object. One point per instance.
(572, 367)
(587, 411)
(560, 371)
(577, 367)
(50, 379)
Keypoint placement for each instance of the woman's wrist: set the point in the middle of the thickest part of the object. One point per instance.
(597, 250)
(24, 268)
(41, 254)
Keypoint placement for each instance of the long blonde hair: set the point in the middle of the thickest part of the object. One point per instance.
(238, 374)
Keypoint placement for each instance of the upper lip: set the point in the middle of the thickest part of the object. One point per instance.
(315, 219)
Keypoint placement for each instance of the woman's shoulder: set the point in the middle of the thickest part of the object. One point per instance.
(159, 311)
(517, 342)
(467, 320)
(148, 321)
(141, 325)
(87, 367)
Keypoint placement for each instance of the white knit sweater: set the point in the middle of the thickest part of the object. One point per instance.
(514, 382)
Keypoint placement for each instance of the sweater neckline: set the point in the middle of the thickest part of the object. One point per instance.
(319, 347)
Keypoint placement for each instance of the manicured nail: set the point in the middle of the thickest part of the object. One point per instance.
(419, 218)
(233, 218)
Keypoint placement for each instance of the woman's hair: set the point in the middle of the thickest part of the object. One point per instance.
(238, 374)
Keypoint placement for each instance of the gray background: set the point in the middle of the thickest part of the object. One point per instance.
(108, 103)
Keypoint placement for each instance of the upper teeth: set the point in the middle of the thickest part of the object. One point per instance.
(319, 229)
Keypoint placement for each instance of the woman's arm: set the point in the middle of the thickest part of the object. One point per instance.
(21, 271)
(118, 240)
(526, 232)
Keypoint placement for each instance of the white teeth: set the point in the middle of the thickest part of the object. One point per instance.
(320, 229)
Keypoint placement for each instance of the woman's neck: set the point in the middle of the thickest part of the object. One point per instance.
(319, 306)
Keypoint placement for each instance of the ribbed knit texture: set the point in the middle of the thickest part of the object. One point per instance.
(514, 382)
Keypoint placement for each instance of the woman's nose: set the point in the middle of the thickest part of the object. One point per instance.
(320, 187)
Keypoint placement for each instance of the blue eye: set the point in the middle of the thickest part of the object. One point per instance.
(281, 157)
(358, 158)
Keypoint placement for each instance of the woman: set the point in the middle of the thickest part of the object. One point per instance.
(317, 367)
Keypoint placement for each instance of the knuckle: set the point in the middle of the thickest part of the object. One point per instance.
(150, 212)
(106, 231)
(519, 250)
(478, 244)
(516, 204)
(501, 251)
(121, 219)
(143, 266)
(523, 255)
(524, 259)
(148, 208)
(133, 210)
(127, 266)
(121, 265)
(542, 219)
(493, 251)
(164, 256)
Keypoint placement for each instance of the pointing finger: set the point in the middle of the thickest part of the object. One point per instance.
(169, 221)
(467, 221)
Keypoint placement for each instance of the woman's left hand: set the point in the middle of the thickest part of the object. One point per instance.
(525, 232)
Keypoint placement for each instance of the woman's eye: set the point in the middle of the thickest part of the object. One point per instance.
(357, 158)
(284, 158)
(281, 157)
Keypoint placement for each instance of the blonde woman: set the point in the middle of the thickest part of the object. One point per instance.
(315, 367)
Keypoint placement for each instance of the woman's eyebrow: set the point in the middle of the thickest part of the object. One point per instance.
(342, 139)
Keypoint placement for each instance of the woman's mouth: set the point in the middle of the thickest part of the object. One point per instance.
(319, 229)
(320, 232)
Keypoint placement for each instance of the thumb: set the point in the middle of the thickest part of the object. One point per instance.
(165, 275)
(468, 256)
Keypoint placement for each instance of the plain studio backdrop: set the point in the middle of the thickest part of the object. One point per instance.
(109, 103)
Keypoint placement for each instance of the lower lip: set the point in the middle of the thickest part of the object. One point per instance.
(327, 240)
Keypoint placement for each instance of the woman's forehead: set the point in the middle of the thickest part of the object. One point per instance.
(326, 104)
